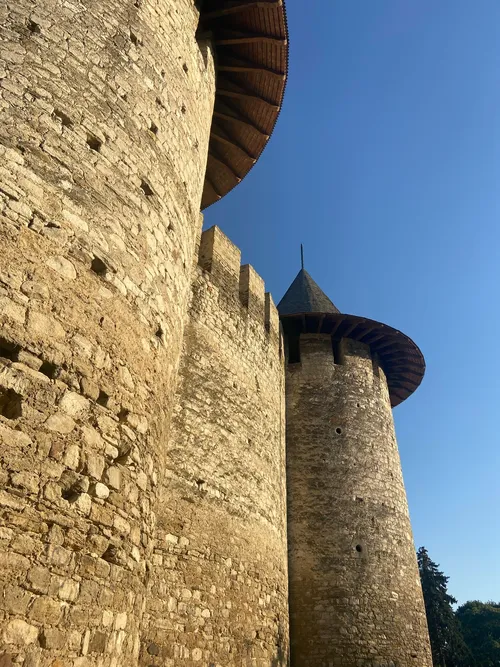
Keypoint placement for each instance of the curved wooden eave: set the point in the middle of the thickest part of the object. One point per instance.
(251, 51)
(399, 356)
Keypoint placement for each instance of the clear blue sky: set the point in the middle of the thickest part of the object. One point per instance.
(385, 163)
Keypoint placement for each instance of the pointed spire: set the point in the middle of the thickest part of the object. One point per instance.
(305, 296)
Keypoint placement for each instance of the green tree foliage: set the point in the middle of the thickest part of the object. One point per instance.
(480, 623)
(447, 643)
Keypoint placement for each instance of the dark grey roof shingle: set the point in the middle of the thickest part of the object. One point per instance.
(305, 296)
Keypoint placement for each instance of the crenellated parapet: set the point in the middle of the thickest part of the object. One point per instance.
(240, 290)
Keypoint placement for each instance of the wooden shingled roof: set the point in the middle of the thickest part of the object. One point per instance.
(306, 309)
(251, 51)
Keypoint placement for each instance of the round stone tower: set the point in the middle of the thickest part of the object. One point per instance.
(355, 595)
(114, 130)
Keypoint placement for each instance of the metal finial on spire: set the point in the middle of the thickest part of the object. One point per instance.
(302, 255)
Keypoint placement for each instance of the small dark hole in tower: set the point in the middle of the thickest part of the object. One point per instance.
(134, 39)
(70, 495)
(49, 369)
(185, 68)
(196, 144)
(183, 108)
(338, 352)
(153, 649)
(10, 404)
(146, 188)
(170, 227)
(8, 350)
(159, 333)
(99, 267)
(123, 414)
(137, 3)
(33, 27)
(103, 399)
(200, 483)
(124, 457)
(338, 431)
(358, 405)
(94, 143)
(293, 349)
(153, 128)
(61, 116)
(111, 555)
(359, 548)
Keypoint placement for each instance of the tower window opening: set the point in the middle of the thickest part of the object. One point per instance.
(338, 352)
(338, 430)
(359, 548)
(293, 349)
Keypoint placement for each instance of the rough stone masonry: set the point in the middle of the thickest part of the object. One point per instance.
(142, 371)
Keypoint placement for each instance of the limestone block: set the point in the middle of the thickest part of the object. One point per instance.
(60, 423)
(52, 638)
(101, 491)
(39, 579)
(94, 465)
(26, 480)
(114, 477)
(74, 404)
(62, 266)
(84, 503)
(69, 590)
(43, 326)
(20, 633)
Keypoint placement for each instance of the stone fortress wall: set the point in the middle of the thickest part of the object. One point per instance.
(219, 589)
(354, 584)
(105, 113)
(142, 461)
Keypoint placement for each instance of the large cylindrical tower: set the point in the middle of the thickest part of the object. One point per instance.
(106, 115)
(106, 109)
(355, 595)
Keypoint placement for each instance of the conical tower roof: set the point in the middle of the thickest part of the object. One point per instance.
(305, 296)
(305, 309)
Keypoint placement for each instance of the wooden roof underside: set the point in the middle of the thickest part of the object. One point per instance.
(399, 356)
(251, 44)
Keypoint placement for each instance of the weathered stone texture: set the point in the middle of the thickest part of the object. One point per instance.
(219, 589)
(105, 112)
(355, 596)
